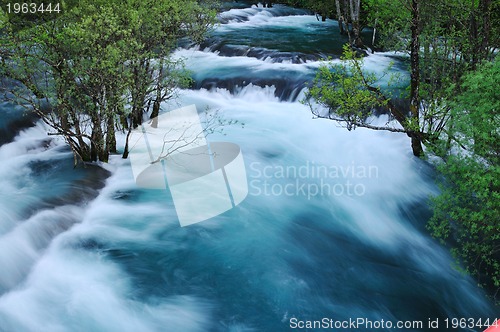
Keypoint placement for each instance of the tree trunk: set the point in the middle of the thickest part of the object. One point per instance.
(473, 36)
(346, 19)
(485, 10)
(158, 98)
(340, 18)
(155, 113)
(126, 149)
(139, 90)
(110, 135)
(97, 145)
(84, 148)
(416, 146)
(93, 152)
(479, 32)
(355, 6)
(416, 142)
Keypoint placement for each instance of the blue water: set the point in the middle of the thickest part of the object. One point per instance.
(120, 261)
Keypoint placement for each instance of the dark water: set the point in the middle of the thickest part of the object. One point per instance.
(120, 262)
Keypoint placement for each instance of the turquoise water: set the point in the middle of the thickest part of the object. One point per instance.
(120, 262)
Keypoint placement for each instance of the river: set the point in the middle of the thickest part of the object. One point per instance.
(333, 225)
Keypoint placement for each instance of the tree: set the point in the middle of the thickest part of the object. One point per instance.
(154, 75)
(467, 212)
(414, 126)
(350, 95)
(94, 68)
(454, 112)
(434, 35)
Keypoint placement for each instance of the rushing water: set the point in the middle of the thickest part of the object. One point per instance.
(78, 254)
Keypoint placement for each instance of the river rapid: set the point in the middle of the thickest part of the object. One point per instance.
(333, 225)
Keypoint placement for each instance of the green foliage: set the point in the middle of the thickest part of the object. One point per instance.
(478, 112)
(98, 65)
(344, 89)
(3, 19)
(468, 209)
(32, 17)
(454, 110)
(391, 18)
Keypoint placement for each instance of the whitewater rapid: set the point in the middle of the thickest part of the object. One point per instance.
(115, 259)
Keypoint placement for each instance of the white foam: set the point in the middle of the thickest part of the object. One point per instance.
(68, 287)
(77, 291)
(204, 63)
(23, 245)
(291, 128)
(16, 185)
